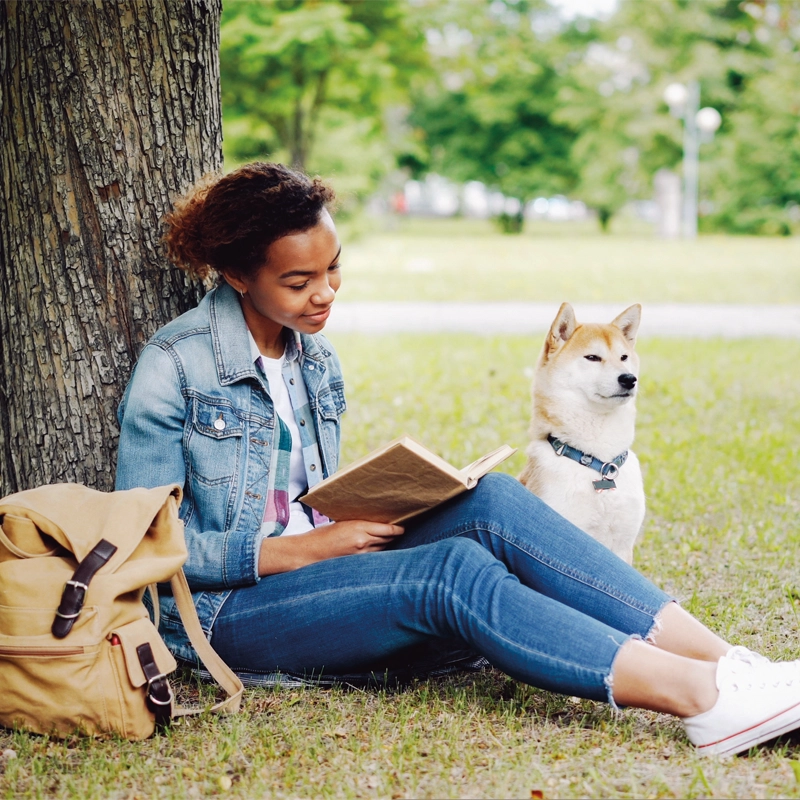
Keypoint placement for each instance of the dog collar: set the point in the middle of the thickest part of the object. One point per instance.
(608, 469)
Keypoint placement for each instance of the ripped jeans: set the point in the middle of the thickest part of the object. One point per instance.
(494, 569)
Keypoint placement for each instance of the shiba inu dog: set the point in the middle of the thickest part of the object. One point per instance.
(582, 427)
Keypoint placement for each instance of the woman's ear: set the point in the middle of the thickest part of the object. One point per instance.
(236, 282)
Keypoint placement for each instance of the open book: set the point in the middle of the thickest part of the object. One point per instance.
(397, 481)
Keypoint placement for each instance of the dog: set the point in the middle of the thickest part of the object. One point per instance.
(582, 428)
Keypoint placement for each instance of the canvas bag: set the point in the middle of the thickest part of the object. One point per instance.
(77, 647)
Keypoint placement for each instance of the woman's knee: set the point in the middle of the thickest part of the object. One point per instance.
(460, 556)
(470, 572)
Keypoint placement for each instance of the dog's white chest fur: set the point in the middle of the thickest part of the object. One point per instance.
(583, 394)
(613, 517)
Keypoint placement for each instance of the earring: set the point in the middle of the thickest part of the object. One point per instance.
(241, 292)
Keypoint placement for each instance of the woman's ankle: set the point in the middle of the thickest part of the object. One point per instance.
(703, 694)
(645, 677)
(677, 631)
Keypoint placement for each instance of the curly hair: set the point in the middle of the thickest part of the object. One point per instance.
(225, 224)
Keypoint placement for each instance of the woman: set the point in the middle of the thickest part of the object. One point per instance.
(239, 401)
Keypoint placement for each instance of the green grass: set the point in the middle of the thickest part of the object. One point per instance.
(718, 436)
(465, 260)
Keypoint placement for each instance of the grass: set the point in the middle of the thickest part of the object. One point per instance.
(718, 436)
(465, 260)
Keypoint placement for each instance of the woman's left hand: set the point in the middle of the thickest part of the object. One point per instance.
(285, 553)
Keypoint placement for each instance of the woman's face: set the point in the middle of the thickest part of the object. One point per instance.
(296, 287)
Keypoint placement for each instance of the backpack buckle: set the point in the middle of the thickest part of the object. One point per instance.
(72, 599)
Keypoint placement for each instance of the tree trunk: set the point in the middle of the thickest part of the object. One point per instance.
(108, 110)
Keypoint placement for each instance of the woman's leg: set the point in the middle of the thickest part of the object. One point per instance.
(549, 554)
(646, 677)
(348, 613)
(355, 613)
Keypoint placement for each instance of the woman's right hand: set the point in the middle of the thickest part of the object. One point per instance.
(286, 553)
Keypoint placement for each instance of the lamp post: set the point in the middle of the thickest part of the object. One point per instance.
(699, 125)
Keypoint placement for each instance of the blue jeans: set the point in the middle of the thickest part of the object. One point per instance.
(495, 570)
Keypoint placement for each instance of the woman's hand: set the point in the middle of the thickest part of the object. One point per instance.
(285, 553)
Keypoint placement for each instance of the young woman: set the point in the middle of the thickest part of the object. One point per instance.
(239, 401)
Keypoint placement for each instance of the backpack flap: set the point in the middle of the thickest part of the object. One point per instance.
(142, 524)
(78, 517)
(20, 538)
(134, 634)
(147, 662)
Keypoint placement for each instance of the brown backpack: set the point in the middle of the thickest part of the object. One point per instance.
(77, 648)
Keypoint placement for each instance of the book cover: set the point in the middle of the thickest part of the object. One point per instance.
(398, 481)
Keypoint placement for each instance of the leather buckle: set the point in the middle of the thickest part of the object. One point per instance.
(159, 695)
(75, 589)
(159, 685)
(72, 597)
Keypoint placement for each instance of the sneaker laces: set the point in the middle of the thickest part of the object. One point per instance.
(745, 670)
(746, 656)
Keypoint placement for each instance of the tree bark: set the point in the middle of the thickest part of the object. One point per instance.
(108, 111)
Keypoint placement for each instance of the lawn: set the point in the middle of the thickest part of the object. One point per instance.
(718, 437)
(465, 260)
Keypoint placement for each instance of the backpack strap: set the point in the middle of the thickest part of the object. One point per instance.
(152, 590)
(159, 692)
(219, 670)
(75, 590)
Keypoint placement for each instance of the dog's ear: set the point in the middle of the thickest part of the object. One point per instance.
(628, 322)
(561, 330)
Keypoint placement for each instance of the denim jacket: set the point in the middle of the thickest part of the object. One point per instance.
(195, 374)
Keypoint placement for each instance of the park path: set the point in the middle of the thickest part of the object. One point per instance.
(658, 319)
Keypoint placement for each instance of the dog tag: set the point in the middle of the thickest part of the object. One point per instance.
(604, 485)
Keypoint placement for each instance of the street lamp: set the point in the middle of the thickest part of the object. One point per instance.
(699, 126)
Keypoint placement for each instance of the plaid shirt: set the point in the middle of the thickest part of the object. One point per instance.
(276, 510)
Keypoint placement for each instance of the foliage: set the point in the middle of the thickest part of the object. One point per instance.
(718, 435)
(528, 103)
(746, 60)
(487, 114)
(755, 177)
(291, 69)
(510, 93)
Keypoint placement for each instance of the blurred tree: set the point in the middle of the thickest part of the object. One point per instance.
(289, 68)
(487, 115)
(754, 178)
(601, 101)
(746, 61)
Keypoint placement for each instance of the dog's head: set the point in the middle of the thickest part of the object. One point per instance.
(595, 361)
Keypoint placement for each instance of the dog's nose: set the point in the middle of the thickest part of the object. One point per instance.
(627, 381)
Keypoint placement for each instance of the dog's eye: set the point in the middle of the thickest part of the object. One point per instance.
(593, 358)
(624, 358)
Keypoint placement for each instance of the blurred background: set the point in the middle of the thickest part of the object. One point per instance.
(639, 117)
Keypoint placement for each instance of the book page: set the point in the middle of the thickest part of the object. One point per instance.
(406, 442)
(393, 484)
(477, 469)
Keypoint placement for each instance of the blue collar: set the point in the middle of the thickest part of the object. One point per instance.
(608, 469)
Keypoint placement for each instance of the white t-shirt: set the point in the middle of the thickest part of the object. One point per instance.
(298, 482)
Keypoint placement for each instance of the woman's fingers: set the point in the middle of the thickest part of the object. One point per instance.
(382, 530)
(376, 535)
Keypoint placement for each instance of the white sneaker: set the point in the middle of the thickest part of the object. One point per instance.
(788, 668)
(758, 700)
(739, 653)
